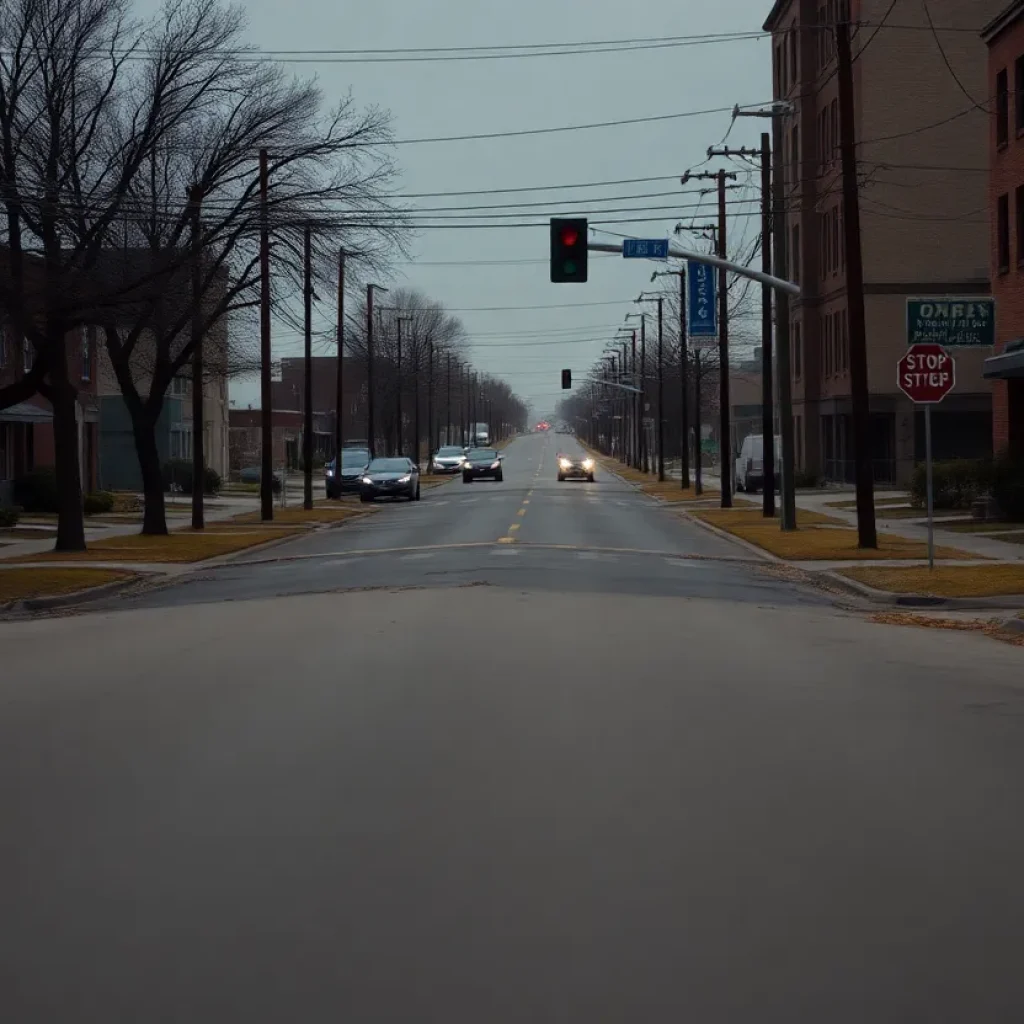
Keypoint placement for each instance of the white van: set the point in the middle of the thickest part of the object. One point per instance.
(748, 474)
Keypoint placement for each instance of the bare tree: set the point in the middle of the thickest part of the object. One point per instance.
(110, 128)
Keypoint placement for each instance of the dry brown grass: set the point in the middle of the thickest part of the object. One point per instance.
(183, 546)
(22, 584)
(811, 542)
(989, 627)
(943, 580)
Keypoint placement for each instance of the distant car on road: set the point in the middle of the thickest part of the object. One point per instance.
(575, 467)
(390, 478)
(353, 466)
(448, 459)
(481, 463)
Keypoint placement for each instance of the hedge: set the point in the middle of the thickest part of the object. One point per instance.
(179, 472)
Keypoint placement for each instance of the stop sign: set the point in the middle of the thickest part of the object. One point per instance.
(926, 373)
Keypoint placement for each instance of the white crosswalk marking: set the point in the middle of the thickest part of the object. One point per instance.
(417, 556)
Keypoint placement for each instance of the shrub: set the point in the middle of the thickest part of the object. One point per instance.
(179, 472)
(1008, 485)
(37, 491)
(9, 516)
(806, 478)
(955, 484)
(98, 503)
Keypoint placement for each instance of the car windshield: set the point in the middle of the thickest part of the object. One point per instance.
(389, 466)
(354, 458)
(449, 450)
(483, 455)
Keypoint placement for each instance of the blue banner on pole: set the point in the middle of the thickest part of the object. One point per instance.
(702, 300)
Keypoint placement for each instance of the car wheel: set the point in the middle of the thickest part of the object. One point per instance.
(365, 498)
(499, 478)
(417, 498)
(561, 478)
(466, 479)
(737, 486)
(590, 478)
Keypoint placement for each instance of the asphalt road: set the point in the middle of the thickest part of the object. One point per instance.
(703, 796)
(528, 531)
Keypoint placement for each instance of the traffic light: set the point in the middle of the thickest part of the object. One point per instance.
(569, 249)
(566, 380)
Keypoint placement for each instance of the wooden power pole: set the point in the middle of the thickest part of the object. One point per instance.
(266, 401)
(198, 453)
(866, 533)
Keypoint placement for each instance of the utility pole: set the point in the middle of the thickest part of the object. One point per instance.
(764, 155)
(725, 443)
(634, 442)
(266, 401)
(859, 397)
(661, 394)
(698, 454)
(307, 395)
(198, 461)
(684, 386)
(398, 368)
(430, 402)
(448, 400)
(370, 423)
(339, 390)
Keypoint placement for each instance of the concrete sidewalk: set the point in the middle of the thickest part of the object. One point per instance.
(820, 500)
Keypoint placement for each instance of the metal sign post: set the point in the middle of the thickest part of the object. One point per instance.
(926, 374)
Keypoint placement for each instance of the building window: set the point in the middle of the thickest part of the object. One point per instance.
(86, 333)
(792, 55)
(26, 355)
(1018, 94)
(834, 226)
(1002, 109)
(833, 116)
(178, 386)
(181, 443)
(1018, 198)
(794, 144)
(3, 347)
(1003, 233)
(798, 355)
(778, 71)
(795, 257)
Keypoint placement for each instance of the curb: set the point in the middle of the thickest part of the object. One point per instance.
(1001, 602)
(764, 556)
(40, 604)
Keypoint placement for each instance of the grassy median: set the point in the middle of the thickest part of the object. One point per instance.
(943, 580)
(23, 584)
(180, 546)
(816, 538)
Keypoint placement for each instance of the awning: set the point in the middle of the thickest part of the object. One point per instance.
(1009, 363)
(25, 412)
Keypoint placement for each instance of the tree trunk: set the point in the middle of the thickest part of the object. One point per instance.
(70, 511)
(154, 516)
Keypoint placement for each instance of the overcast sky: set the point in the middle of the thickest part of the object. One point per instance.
(528, 346)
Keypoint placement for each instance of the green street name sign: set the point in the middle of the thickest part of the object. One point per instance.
(952, 321)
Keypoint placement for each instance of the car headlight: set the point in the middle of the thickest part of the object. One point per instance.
(495, 465)
(329, 472)
(588, 463)
(565, 464)
(365, 480)
(405, 479)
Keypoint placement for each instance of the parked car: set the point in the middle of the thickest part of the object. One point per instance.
(448, 459)
(575, 467)
(481, 463)
(353, 467)
(390, 478)
(748, 471)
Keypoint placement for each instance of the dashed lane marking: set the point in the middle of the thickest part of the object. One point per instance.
(514, 526)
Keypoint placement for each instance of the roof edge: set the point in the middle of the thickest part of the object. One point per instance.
(773, 15)
(1003, 20)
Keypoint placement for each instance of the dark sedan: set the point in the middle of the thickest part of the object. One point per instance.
(353, 467)
(575, 467)
(481, 463)
(390, 478)
(448, 459)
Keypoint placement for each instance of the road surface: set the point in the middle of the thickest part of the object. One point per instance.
(537, 787)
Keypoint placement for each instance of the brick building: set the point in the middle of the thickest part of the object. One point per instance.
(1005, 39)
(26, 428)
(922, 173)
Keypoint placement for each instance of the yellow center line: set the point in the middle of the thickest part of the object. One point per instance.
(521, 512)
(514, 526)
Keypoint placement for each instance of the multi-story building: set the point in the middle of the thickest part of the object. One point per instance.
(26, 428)
(1005, 38)
(922, 175)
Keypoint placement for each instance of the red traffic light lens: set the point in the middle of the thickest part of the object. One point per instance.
(569, 236)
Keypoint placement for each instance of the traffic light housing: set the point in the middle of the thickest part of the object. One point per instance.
(566, 380)
(569, 250)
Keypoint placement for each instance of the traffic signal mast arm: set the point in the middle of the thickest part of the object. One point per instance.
(674, 251)
(611, 384)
